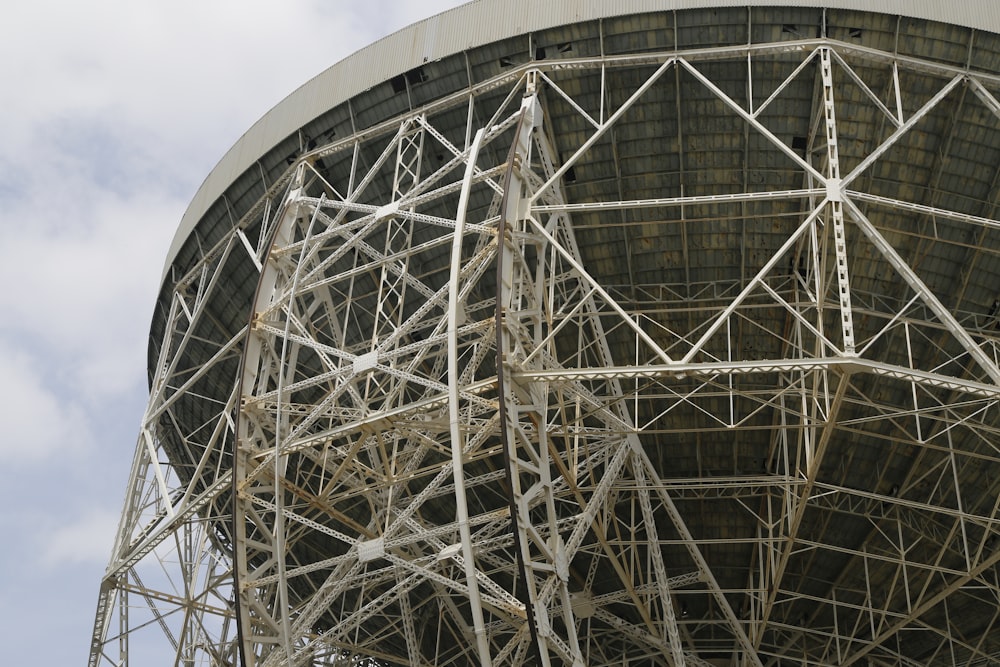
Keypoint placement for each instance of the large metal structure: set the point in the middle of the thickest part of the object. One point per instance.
(658, 333)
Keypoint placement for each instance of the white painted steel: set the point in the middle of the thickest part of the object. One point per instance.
(438, 436)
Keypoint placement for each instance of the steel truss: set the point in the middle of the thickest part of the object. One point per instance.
(432, 449)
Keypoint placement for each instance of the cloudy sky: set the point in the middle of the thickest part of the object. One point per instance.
(113, 113)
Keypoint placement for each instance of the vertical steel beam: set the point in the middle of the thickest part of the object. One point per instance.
(523, 408)
(454, 408)
(835, 198)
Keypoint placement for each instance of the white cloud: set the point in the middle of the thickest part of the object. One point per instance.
(37, 422)
(191, 75)
(86, 280)
(87, 539)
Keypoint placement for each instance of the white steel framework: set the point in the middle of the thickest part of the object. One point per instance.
(443, 435)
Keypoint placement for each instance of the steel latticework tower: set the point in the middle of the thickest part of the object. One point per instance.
(655, 333)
